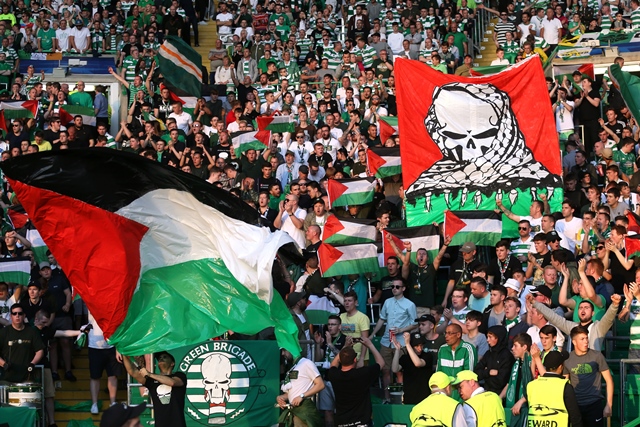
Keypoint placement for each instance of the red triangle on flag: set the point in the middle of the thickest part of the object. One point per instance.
(65, 118)
(452, 224)
(264, 121)
(331, 227)
(587, 69)
(31, 106)
(264, 136)
(327, 256)
(19, 219)
(335, 189)
(387, 250)
(386, 131)
(632, 246)
(633, 222)
(374, 161)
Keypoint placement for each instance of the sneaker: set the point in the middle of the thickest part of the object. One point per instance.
(94, 409)
(113, 403)
(69, 376)
(202, 23)
(55, 376)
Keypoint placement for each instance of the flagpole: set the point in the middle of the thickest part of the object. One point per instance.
(370, 296)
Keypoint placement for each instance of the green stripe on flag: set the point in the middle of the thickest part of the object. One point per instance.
(15, 270)
(629, 88)
(181, 66)
(38, 246)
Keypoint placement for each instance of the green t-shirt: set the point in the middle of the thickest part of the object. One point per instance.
(81, 98)
(625, 161)
(46, 38)
(597, 314)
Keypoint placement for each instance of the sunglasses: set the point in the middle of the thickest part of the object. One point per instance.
(396, 287)
(302, 183)
(599, 248)
(523, 228)
(17, 313)
(299, 137)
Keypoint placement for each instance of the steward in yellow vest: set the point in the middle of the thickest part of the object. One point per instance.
(437, 409)
(480, 408)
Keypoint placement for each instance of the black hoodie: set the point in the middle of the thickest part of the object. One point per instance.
(498, 358)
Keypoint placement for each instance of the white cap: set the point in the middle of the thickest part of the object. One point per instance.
(512, 284)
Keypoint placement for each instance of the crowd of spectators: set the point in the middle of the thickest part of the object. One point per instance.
(329, 66)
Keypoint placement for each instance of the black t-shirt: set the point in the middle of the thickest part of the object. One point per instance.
(501, 271)
(16, 140)
(51, 136)
(461, 274)
(168, 412)
(353, 398)
(385, 286)
(381, 67)
(46, 334)
(18, 348)
(323, 160)
(56, 287)
(587, 111)
(416, 380)
(45, 303)
(422, 285)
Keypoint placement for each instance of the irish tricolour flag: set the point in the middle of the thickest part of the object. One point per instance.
(348, 231)
(246, 140)
(344, 192)
(15, 270)
(161, 258)
(384, 162)
(181, 66)
(484, 228)
(350, 259)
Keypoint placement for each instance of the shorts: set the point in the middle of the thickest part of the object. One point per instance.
(79, 308)
(62, 323)
(327, 398)
(101, 359)
(49, 386)
(387, 354)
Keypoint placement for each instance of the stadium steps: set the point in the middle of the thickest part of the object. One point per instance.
(208, 34)
(487, 47)
(73, 393)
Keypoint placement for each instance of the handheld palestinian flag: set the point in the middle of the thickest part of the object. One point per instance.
(17, 216)
(350, 259)
(319, 309)
(276, 123)
(344, 192)
(504, 144)
(148, 117)
(181, 66)
(69, 112)
(484, 228)
(487, 70)
(632, 246)
(38, 246)
(388, 127)
(562, 71)
(246, 140)
(16, 110)
(348, 231)
(629, 89)
(384, 162)
(161, 258)
(422, 237)
(15, 270)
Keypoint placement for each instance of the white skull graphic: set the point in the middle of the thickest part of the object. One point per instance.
(216, 373)
(164, 393)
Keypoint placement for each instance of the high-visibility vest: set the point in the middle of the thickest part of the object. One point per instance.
(434, 411)
(488, 408)
(545, 397)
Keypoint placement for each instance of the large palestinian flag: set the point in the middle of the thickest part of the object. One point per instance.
(161, 258)
(469, 140)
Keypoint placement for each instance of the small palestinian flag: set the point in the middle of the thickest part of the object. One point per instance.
(632, 246)
(345, 192)
(69, 112)
(319, 309)
(161, 258)
(634, 222)
(350, 259)
(484, 228)
(425, 236)
(384, 162)
(276, 123)
(38, 246)
(18, 216)
(246, 140)
(388, 128)
(488, 70)
(16, 110)
(348, 231)
(560, 71)
(15, 270)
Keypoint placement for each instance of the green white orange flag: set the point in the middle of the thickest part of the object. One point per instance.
(246, 140)
(181, 66)
(15, 270)
(484, 228)
(350, 259)
(384, 162)
(345, 192)
(162, 259)
(348, 231)
(68, 113)
(629, 88)
(388, 127)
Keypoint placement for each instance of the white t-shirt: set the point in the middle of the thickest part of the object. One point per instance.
(81, 38)
(570, 230)
(5, 307)
(500, 62)
(307, 372)
(183, 120)
(536, 224)
(564, 117)
(63, 38)
(224, 29)
(296, 234)
(96, 336)
(551, 30)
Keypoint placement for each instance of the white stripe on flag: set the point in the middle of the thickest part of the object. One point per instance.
(482, 226)
(168, 51)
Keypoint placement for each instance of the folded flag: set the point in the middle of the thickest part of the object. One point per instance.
(148, 117)
(350, 259)
(384, 162)
(15, 270)
(629, 89)
(344, 192)
(348, 231)
(632, 246)
(181, 66)
(246, 140)
(161, 258)
(16, 110)
(484, 228)
(69, 112)
(425, 236)
(388, 127)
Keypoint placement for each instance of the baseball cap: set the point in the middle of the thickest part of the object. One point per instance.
(607, 153)
(465, 376)
(512, 284)
(542, 290)
(553, 236)
(440, 380)
(318, 200)
(294, 297)
(554, 359)
(120, 413)
(426, 318)
(468, 247)
(289, 152)
(79, 22)
(44, 264)
(417, 339)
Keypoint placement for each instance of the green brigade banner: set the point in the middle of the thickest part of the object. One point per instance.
(505, 145)
(230, 383)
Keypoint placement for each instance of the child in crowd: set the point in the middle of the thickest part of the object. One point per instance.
(474, 336)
